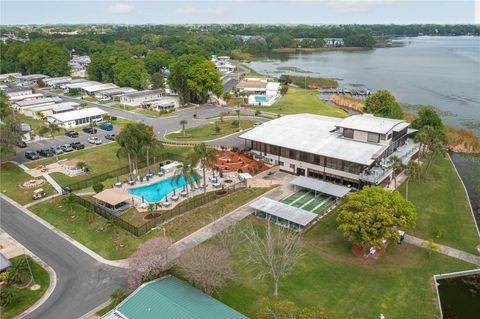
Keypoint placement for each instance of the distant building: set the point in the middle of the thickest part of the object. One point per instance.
(171, 298)
(26, 132)
(31, 79)
(78, 65)
(9, 77)
(17, 91)
(165, 103)
(113, 94)
(49, 109)
(333, 42)
(137, 98)
(53, 82)
(77, 118)
(19, 105)
(260, 91)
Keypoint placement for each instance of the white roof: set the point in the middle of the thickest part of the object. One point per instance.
(65, 106)
(38, 101)
(290, 213)
(25, 97)
(77, 114)
(370, 123)
(313, 134)
(99, 87)
(321, 186)
(81, 85)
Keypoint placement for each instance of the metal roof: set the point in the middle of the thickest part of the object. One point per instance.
(173, 299)
(321, 186)
(77, 114)
(370, 123)
(143, 93)
(60, 107)
(4, 262)
(314, 134)
(39, 101)
(287, 212)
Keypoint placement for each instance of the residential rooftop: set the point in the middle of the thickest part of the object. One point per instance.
(374, 124)
(77, 114)
(144, 93)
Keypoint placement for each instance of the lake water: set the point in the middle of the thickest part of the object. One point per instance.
(439, 71)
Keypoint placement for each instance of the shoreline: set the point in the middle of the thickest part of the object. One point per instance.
(322, 49)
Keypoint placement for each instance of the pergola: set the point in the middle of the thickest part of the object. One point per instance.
(283, 214)
(320, 186)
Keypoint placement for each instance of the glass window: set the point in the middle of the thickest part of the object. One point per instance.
(373, 137)
(348, 133)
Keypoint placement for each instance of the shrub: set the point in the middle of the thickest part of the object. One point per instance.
(98, 187)
(234, 149)
(7, 295)
(113, 118)
(255, 170)
(240, 170)
(258, 113)
(235, 123)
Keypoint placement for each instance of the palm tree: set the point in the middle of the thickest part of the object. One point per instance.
(151, 145)
(396, 164)
(413, 171)
(19, 271)
(111, 223)
(122, 141)
(188, 173)
(183, 123)
(206, 157)
(118, 296)
(238, 113)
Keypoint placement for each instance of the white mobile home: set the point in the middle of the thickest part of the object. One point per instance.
(78, 117)
(137, 98)
(49, 109)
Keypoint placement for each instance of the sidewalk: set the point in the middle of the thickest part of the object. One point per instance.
(52, 182)
(446, 250)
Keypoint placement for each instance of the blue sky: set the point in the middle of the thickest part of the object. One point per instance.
(238, 11)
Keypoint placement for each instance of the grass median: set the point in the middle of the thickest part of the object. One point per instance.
(209, 132)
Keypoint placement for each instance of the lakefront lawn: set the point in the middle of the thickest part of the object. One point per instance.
(299, 100)
(442, 205)
(208, 132)
(399, 284)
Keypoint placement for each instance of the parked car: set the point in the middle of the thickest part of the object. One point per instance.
(94, 140)
(110, 137)
(56, 150)
(89, 130)
(71, 134)
(21, 144)
(106, 126)
(31, 155)
(45, 153)
(77, 146)
(66, 148)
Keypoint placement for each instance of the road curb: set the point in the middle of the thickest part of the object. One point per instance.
(88, 251)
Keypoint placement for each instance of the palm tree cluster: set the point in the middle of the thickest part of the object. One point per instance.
(138, 141)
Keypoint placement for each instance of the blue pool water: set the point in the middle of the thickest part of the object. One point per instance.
(157, 191)
(261, 98)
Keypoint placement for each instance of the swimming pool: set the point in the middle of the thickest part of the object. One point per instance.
(156, 192)
(261, 98)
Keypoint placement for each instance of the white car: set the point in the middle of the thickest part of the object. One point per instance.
(94, 140)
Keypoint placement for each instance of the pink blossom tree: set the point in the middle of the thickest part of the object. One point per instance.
(151, 258)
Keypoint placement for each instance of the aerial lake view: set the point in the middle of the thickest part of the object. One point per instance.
(438, 71)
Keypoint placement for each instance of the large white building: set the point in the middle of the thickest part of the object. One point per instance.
(137, 98)
(77, 118)
(353, 151)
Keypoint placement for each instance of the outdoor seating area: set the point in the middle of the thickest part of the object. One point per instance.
(229, 161)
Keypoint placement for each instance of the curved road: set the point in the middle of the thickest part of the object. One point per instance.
(82, 282)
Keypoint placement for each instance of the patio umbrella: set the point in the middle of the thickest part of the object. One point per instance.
(174, 192)
(143, 199)
(131, 178)
(147, 177)
(118, 180)
(141, 179)
(166, 199)
(149, 172)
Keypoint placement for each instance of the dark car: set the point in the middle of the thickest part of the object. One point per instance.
(31, 155)
(77, 146)
(45, 153)
(21, 144)
(89, 130)
(71, 134)
(110, 137)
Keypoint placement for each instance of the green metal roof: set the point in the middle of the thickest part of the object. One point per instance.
(174, 299)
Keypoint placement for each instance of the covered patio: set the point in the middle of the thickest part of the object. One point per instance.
(283, 214)
(319, 186)
(114, 200)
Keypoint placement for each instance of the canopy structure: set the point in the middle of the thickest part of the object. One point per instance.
(283, 211)
(321, 186)
(112, 196)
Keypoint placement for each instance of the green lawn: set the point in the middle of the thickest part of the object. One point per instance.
(124, 107)
(302, 101)
(207, 132)
(152, 113)
(11, 176)
(36, 124)
(25, 297)
(442, 202)
(56, 214)
(329, 276)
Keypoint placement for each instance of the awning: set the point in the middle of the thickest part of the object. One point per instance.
(287, 212)
(321, 186)
(112, 196)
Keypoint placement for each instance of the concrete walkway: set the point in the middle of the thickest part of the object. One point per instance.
(52, 182)
(446, 250)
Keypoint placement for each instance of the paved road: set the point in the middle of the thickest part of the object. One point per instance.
(82, 282)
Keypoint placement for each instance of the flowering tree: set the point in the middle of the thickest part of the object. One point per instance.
(150, 258)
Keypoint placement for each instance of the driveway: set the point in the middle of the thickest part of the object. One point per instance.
(82, 282)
